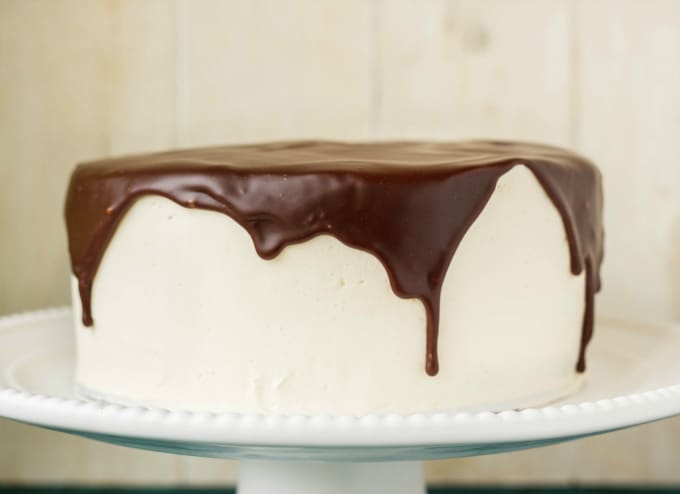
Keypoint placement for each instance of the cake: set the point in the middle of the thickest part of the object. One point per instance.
(335, 278)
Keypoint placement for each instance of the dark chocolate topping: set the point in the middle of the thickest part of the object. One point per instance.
(408, 203)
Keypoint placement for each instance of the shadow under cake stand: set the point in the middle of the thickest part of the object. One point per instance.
(634, 378)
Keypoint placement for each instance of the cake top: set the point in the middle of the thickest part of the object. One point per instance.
(408, 203)
(315, 156)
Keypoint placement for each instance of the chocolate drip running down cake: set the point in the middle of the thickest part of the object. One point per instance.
(329, 277)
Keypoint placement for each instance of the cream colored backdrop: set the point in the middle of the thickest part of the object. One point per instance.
(84, 79)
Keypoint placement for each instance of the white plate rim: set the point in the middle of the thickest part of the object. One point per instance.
(448, 428)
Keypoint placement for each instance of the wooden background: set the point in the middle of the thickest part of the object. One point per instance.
(84, 79)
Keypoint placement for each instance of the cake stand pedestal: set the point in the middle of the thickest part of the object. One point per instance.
(634, 378)
(330, 478)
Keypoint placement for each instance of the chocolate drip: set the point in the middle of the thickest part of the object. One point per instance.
(588, 316)
(409, 204)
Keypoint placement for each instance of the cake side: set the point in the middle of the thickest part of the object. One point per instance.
(187, 315)
(408, 204)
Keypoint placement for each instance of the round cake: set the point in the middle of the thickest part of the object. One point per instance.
(336, 278)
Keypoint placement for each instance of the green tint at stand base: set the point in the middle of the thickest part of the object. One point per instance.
(431, 490)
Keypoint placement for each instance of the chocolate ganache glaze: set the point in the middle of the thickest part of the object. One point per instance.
(407, 203)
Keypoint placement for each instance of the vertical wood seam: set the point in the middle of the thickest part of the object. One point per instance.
(574, 73)
(105, 105)
(375, 74)
(179, 72)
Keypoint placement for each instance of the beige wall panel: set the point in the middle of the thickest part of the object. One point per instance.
(640, 456)
(267, 70)
(466, 69)
(34, 456)
(208, 471)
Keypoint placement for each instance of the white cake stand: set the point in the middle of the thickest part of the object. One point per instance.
(634, 378)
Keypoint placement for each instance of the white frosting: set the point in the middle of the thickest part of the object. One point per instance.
(187, 315)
